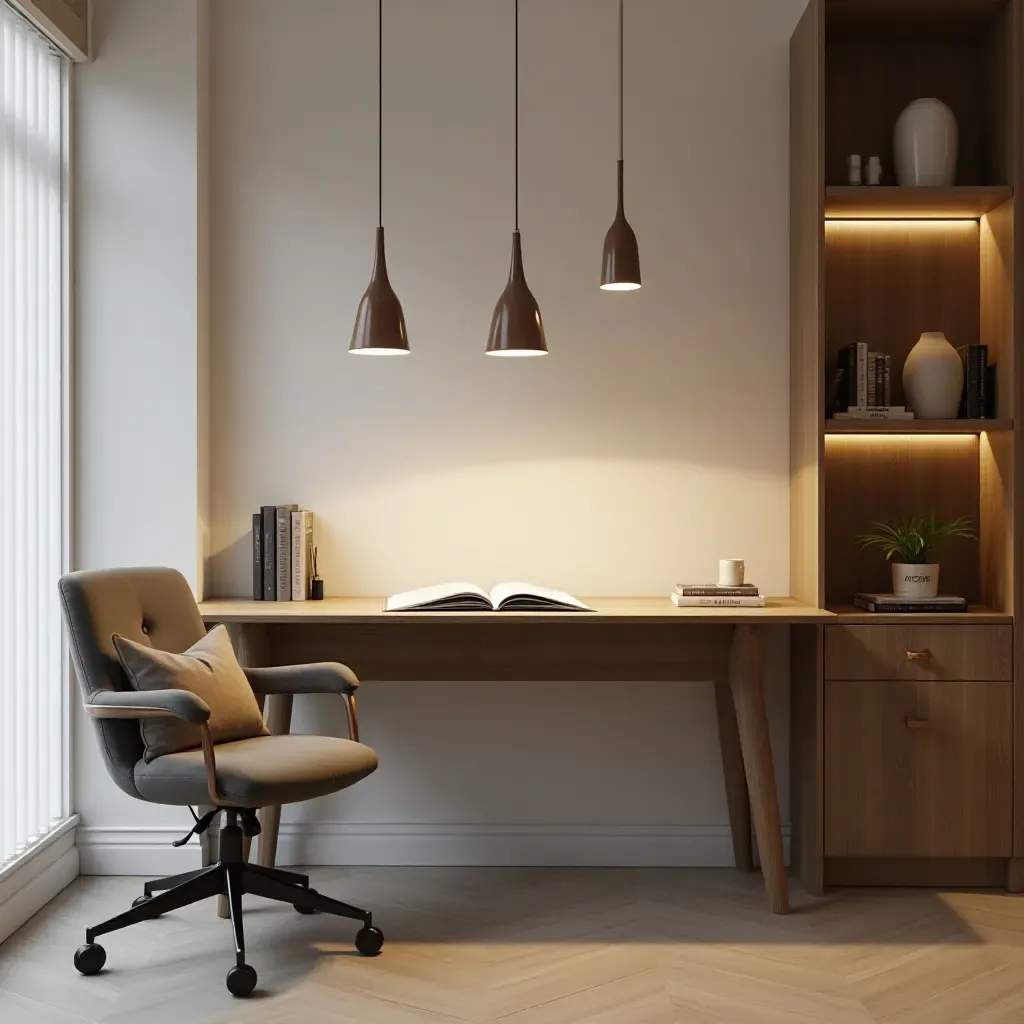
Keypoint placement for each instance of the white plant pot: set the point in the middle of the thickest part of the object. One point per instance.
(933, 378)
(925, 144)
(915, 580)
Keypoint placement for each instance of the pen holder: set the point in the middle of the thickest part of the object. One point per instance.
(316, 590)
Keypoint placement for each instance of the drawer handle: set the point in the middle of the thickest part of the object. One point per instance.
(918, 723)
(923, 655)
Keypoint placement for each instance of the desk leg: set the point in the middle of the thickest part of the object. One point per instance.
(746, 678)
(279, 722)
(735, 781)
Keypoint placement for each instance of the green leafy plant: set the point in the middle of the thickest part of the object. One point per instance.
(913, 541)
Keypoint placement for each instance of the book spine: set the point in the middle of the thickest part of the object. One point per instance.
(876, 414)
(872, 378)
(862, 374)
(874, 606)
(268, 513)
(302, 540)
(717, 591)
(887, 386)
(284, 552)
(990, 391)
(848, 360)
(717, 602)
(257, 556)
(983, 382)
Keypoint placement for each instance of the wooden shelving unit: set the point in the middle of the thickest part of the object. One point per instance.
(882, 264)
(916, 426)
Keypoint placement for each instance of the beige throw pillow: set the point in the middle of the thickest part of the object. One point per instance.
(210, 670)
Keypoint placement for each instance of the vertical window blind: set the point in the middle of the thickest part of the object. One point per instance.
(33, 689)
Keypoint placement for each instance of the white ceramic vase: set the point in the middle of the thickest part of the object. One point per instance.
(915, 580)
(933, 378)
(925, 144)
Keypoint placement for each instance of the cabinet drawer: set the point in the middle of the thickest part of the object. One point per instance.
(920, 651)
(918, 769)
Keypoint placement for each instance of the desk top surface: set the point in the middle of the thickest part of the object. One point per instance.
(632, 609)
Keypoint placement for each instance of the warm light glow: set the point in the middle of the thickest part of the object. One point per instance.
(620, 286)
(893, 438)
(379, 351)
(517, 352)
(909, 223)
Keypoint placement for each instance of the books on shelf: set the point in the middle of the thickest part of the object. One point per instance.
(896, 603)
(282, 540)
(468, 597)
(714, 595)
(974, 402)
(882, 412)
(864, 378)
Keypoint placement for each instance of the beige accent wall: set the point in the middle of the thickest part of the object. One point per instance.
(650, 442)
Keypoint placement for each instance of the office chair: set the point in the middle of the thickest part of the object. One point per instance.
(154, 607)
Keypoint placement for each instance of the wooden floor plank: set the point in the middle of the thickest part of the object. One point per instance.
(536, 946)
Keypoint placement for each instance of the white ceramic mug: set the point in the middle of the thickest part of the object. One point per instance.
(730, 572)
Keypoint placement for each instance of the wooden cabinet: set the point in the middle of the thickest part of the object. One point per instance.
(918, 769)
(920, 651)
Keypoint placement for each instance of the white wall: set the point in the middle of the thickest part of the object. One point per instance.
(652, 440)
(137, 440)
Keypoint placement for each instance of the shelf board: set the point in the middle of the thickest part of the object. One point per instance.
(848, 615)
(893, 202)
(916, 426)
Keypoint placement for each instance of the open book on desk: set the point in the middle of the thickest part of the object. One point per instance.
(467, 597)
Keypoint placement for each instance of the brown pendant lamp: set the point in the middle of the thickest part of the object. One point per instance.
(620, 266)
(380, 322)
(516, 327)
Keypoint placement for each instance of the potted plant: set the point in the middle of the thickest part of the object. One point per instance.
(910, 545)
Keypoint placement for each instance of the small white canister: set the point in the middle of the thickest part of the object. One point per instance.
(730, 572)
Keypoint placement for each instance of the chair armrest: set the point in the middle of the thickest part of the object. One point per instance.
(148, 704)
(319, 677)
(181, 704)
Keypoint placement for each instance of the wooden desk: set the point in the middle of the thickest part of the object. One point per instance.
(624, 639)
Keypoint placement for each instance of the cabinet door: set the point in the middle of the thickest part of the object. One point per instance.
(918, 769)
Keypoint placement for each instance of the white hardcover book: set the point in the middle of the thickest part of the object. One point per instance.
(717, 602)
(284, 551)
(302, 553)
(862, 374)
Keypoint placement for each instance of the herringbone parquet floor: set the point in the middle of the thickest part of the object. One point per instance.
(536, 946)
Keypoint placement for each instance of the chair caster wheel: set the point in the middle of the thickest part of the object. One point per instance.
(305, 910)
(141, 901)
(241, 980)
(369, 940)
(90, 958)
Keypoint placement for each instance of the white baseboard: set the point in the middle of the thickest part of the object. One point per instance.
(27, 885)
(147, 851)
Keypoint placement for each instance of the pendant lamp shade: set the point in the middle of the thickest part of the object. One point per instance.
(620, 264)
(380, 322)
(516, 327)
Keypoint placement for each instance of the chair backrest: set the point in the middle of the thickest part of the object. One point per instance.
(150, 605)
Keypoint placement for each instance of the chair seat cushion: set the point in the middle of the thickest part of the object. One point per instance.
(258, 772)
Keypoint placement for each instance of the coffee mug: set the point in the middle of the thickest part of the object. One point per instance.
(730, 572)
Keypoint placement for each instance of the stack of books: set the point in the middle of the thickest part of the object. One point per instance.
(978, 399)
(714, 595)
(282, 553)
(895, 603)
(861, 387)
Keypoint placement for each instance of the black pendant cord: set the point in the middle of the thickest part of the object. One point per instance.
(517, 113)
(621, 77)
(380, 113)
